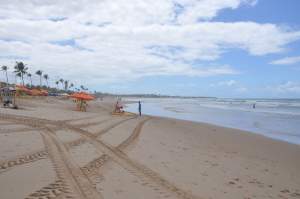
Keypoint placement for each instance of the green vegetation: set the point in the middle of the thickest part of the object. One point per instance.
(4, 69)
(21, 71)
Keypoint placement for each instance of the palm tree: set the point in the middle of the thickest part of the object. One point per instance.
(71, 85)
(4, 69)
(66, 85)
(18, 75)
(82, 87)
(46, 77)
(29, 75)
(20, 70)
(62, 82)
(57, 82)
(39, 73)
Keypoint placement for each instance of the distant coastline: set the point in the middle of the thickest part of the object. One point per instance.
(145, 95)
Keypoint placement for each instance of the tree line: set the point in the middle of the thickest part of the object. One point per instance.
(21, 70)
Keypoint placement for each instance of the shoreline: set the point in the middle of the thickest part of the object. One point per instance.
(269, 125)
(242, 131)
(219, 126)
(126, 157)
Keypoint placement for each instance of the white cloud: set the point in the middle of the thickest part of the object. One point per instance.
(242, 89)
(232, 84)
(287, 61)
(194, 10)
(119, 12)
(228, 83)
(287, 87)
(114, 41)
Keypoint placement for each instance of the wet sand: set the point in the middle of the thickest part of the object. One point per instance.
(49, 150)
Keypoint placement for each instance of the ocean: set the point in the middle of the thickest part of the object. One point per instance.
(275, 118)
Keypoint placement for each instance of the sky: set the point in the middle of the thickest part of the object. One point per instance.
(220, 48)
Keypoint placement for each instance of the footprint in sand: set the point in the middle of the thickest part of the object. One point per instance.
(285, 191)
(185, 148)
(214, 164)
(296, 195)
(195, 183)
(161, 143)
(231, 182)
(118, 191)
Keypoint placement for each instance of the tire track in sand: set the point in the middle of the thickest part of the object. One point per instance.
(116, 155)
(101, 132)
(91, 123)
(105, 130)
(51, 191)
(76, 185)
(67, 170)
(91, 168)
(41, 154)
(82, 187)
(23, 159)
(148, 176)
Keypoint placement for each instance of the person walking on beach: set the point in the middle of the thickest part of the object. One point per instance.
(140, 108)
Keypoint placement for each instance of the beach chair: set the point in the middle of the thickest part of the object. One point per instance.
(8, 97)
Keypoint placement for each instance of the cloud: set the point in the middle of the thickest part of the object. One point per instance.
(287, 61)
(232, 84)
(287, 87)
(228, 83)
(116, 41)
(242, 89)
(193, 11)
(119, 12)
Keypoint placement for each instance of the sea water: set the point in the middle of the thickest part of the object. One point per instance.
(275, 118)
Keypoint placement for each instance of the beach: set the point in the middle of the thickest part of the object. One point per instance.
(49, 150)
(275, 118)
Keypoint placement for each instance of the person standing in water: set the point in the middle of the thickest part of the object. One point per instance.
(140, 108)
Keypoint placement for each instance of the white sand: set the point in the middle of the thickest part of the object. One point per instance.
(23, 180)
(84, 154)
(120, 133)
(118, 183)
(13, 144)
(166, 159)
(66, 135)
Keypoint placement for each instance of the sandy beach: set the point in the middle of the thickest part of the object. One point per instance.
(49, 150)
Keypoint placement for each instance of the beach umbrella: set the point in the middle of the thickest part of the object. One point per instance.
(39, 92)
(23, 89)
(36, 92)
(43, 92)
(81, 98)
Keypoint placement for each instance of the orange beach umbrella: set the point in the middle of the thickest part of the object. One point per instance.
(44, 92)
(36, 92)
(39, 92)
(82, 96)
(23, 89)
